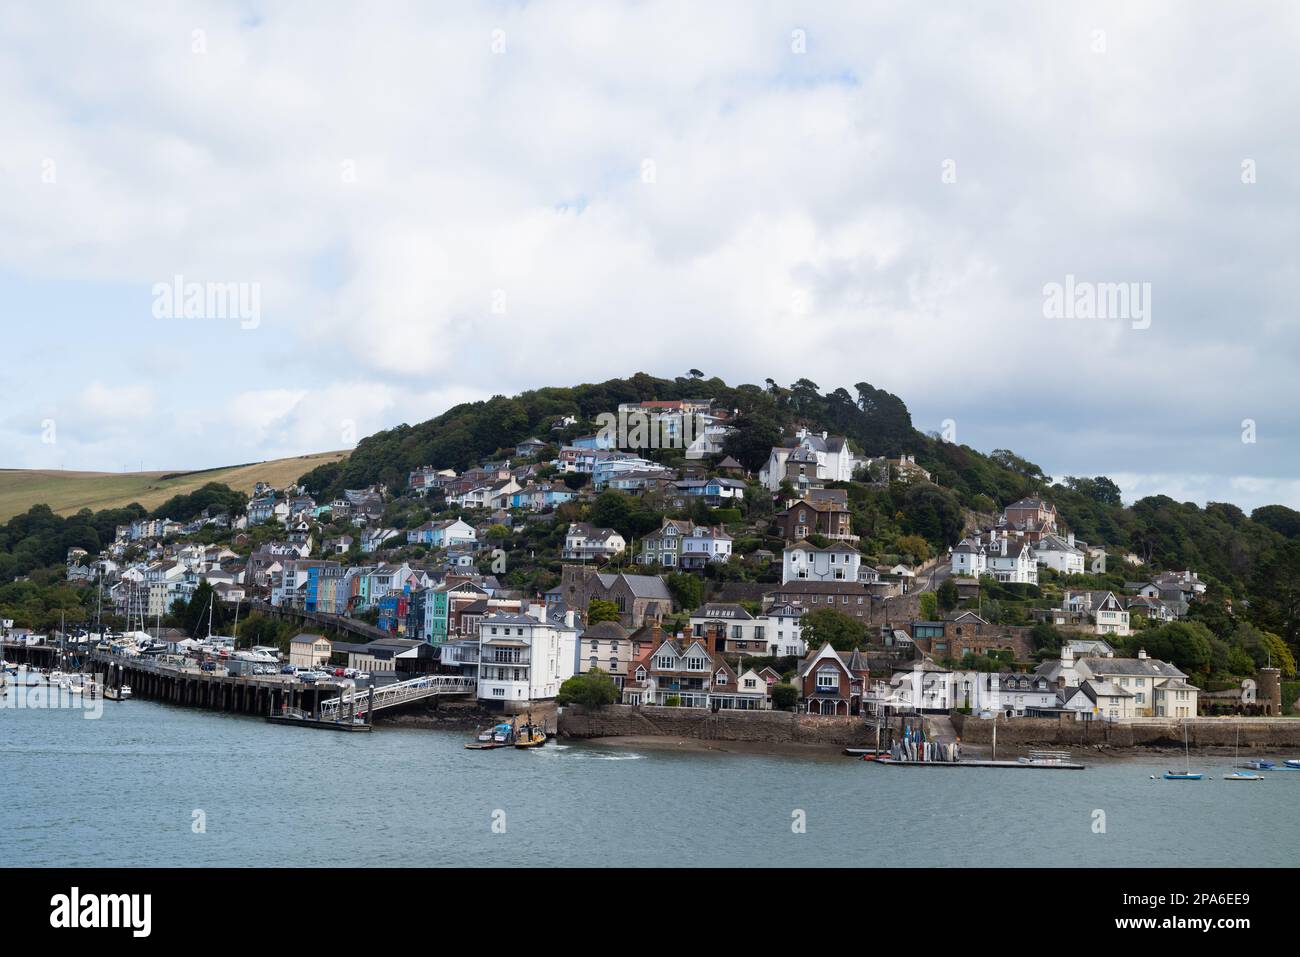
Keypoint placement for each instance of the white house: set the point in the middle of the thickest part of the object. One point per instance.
(824, 458)
(1108, 614)
(804, 561)
(969, 557)
(583, 540)
(1014, 562)
(920, 686)
(525, 658)
(778, 632)
(1060, 554)
(1008, 693)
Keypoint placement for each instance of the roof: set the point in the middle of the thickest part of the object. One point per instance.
(607, 630)
(1131, 667)
(307, 639)
(722, 610)
(1104, 689)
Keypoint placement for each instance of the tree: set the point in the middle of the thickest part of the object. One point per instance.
(929, 606)
(751, 441)
(1046, 637)
(612, 509)
(827, 625)
(947, 595)
(594, 689)
(194, 615)
(599, 609)
(913, 548)
(687, 590)
(1275, 593)
(784, 696)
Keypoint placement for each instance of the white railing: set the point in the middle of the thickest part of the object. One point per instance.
(426, 686)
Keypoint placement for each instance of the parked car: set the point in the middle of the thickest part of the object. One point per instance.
(289, 670)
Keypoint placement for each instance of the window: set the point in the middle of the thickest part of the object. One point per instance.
(828, 679)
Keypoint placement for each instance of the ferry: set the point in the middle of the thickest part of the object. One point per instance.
(498, 736)
(530, 736)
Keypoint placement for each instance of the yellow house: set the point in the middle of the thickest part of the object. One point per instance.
(1175, 698)
(1142, 677)
(309, 651)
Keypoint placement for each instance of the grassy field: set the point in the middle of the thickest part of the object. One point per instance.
(68, 492)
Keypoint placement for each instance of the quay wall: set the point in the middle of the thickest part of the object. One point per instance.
(615, 721)
(199, 689)
(1139, 733)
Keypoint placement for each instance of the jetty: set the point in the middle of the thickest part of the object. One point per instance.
(1026, 763)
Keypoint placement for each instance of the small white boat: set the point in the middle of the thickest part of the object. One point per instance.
(1243, 776)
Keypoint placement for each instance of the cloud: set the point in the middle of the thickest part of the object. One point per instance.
(443, 205)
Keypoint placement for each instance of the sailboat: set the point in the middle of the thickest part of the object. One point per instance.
(1241, 775)
(1187, 774)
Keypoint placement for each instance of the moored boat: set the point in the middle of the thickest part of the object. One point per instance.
(1243, 776)
(498, 736)
(1187, 774)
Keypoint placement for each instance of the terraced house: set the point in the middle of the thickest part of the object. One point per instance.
(681, 543)
(586, 542)
(691, 673)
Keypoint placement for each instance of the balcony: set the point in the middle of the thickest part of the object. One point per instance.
(505, 656)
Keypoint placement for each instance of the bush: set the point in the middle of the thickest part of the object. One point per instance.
(595, 689)
(784, 696)
(672, 701)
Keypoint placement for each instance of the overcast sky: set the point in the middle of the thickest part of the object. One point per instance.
(435, 203)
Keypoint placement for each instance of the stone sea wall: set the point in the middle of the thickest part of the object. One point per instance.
(762, 726)
(1143, 733)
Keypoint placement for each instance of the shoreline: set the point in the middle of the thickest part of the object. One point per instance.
(684, 745)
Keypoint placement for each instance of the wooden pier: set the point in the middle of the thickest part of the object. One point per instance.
(1060, 766)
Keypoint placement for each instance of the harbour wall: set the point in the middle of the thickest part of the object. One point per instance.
(616, 721)
(1139, 733)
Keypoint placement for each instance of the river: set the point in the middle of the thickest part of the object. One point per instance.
(151, 784)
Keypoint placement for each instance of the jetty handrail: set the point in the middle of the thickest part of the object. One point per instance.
(413, 689)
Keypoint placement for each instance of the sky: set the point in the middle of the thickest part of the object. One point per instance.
(415, 205)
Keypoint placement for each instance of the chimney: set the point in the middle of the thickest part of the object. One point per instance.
(1070, 538)
(568, 618)
(1142, 654)
(1004, 545)
(538, 612)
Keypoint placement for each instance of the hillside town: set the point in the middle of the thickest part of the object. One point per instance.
(712, 606)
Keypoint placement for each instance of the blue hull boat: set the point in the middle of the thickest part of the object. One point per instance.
(1181, 776)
